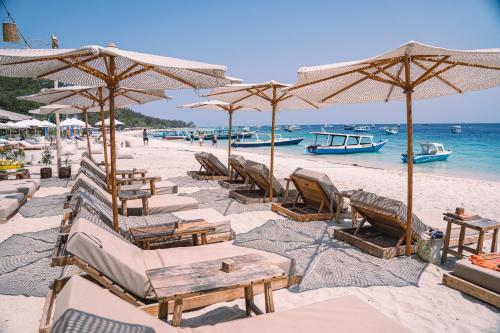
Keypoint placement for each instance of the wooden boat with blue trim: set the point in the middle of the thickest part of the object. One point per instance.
(431, 152)
(341, 143)
(278, 141)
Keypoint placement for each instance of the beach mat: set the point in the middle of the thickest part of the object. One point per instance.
(25, 264)
(44, 206)
(325, 262)
(187, 181)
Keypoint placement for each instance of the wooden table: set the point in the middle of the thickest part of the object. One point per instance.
(346, 195)
(132, 173)
(124, 196)
(145, 236)
(176, 283)
(481, 225)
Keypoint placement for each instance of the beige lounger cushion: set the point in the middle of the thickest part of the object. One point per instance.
(220, 168)
(222, 223)
(83, 304)
(323, 180)
(263, 171)
(126, 264)
(9, 203)
(483, 277)
(163, 203)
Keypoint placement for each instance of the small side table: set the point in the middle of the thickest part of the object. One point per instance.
(176, 283)
(124, 196)
(346, 195)
(481, 225)
(147, 235)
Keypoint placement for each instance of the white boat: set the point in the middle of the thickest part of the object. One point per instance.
(431, 152)
(362, 129)
(257, 142)
(246, 129)
(349, 127)
(341, 143)
(391, 130)
(292, 128)
(456, 129)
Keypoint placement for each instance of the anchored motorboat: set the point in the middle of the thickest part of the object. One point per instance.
(340, 143)
(431, 152)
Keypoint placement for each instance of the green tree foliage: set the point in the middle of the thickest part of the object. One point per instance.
(10, 88)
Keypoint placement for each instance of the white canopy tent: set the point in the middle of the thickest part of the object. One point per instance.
(113, 68)
(107, 122)
(267, 96)
(72, 122)
(224, 106)
(411, 71)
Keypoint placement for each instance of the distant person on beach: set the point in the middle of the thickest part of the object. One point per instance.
(145, 138)
(192, 137)
(214, 140)
(201, 136)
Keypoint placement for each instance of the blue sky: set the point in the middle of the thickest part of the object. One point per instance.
(269, 40)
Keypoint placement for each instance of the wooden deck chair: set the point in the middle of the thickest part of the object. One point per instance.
(211, 168)
(258, 191)
(121, 267)
(238, 178)
(315, 199)
(386, 234)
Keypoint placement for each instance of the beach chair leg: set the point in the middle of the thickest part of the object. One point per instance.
(248, 300)
(145, 206)
(152, 187)
(359, 226)
(268, 295)
(494, 241)
(461, 242)
(163, 310)
(204, 239)
(124, 207)
(446, 242)
(177, 317)
(195, 239)
(337, 212)
(480, 242)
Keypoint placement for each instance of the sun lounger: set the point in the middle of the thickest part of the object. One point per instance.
(315, 199)
(211, 168)
(157, 204)
(78, 303)
(131, 179)
(387, 217)
(26, 186)
(258, 191)
(238, 176)
(9, 204)
(31, 146)
(121, 267)
(479, 282)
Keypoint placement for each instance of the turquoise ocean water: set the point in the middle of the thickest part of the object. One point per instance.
(476, 151)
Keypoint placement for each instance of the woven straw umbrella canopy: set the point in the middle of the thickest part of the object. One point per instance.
(113, 68)
(224, 106)
(267, 96)
(84, 98)
(412, 71)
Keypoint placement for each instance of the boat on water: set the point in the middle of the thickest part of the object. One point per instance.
(362, 129)
(391, 130)
(340, 143)
(349, 127)
(456, 129)
(171, 134)
(292, 128)
(327, 126)
(278, 141)
(431, 152)
(246, 129)
(224, 134)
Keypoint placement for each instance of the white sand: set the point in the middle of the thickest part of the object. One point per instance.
(430, 307)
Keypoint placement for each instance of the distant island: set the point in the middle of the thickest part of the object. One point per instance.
(10, 88)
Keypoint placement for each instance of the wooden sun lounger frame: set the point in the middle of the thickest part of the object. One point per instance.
(311, 195)
(452, 281)
(207, 171)
(238, 179)
(253, 195)
(191, 303)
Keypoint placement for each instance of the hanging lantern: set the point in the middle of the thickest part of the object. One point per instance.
(10, 33)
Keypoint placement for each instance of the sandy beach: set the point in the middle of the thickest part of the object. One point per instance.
(427, 307)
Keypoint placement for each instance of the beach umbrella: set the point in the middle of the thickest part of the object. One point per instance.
(93, 99)
(411, 71)
(12, 116)
(267, 96)
(107, 122)
(113, 68)
(224, 106)
(72, 122)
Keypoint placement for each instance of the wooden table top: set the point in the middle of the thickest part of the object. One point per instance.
(480, 224)
(131, 195)
(169, 229)
(133, 171)
(199, 278)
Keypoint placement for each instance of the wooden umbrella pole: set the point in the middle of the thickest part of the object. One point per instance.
(104, 146)
(271, 166)
(114, 189)
(409, 124)
(85, 115)
(229, 141)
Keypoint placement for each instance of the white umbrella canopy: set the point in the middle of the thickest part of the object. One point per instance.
(30, 123)
(114, 68)
(224, 106)
(12, 116)
(107, 122)
(16, 125)
(267, 96)
(411, 71)
(48, 124)
(72, 122)
(61, 109)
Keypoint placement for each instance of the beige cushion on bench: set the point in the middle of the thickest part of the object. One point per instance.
(483, 277)
(126, 264)
(222, 223)
(84, 305)
(9, 203)
(162, 203)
